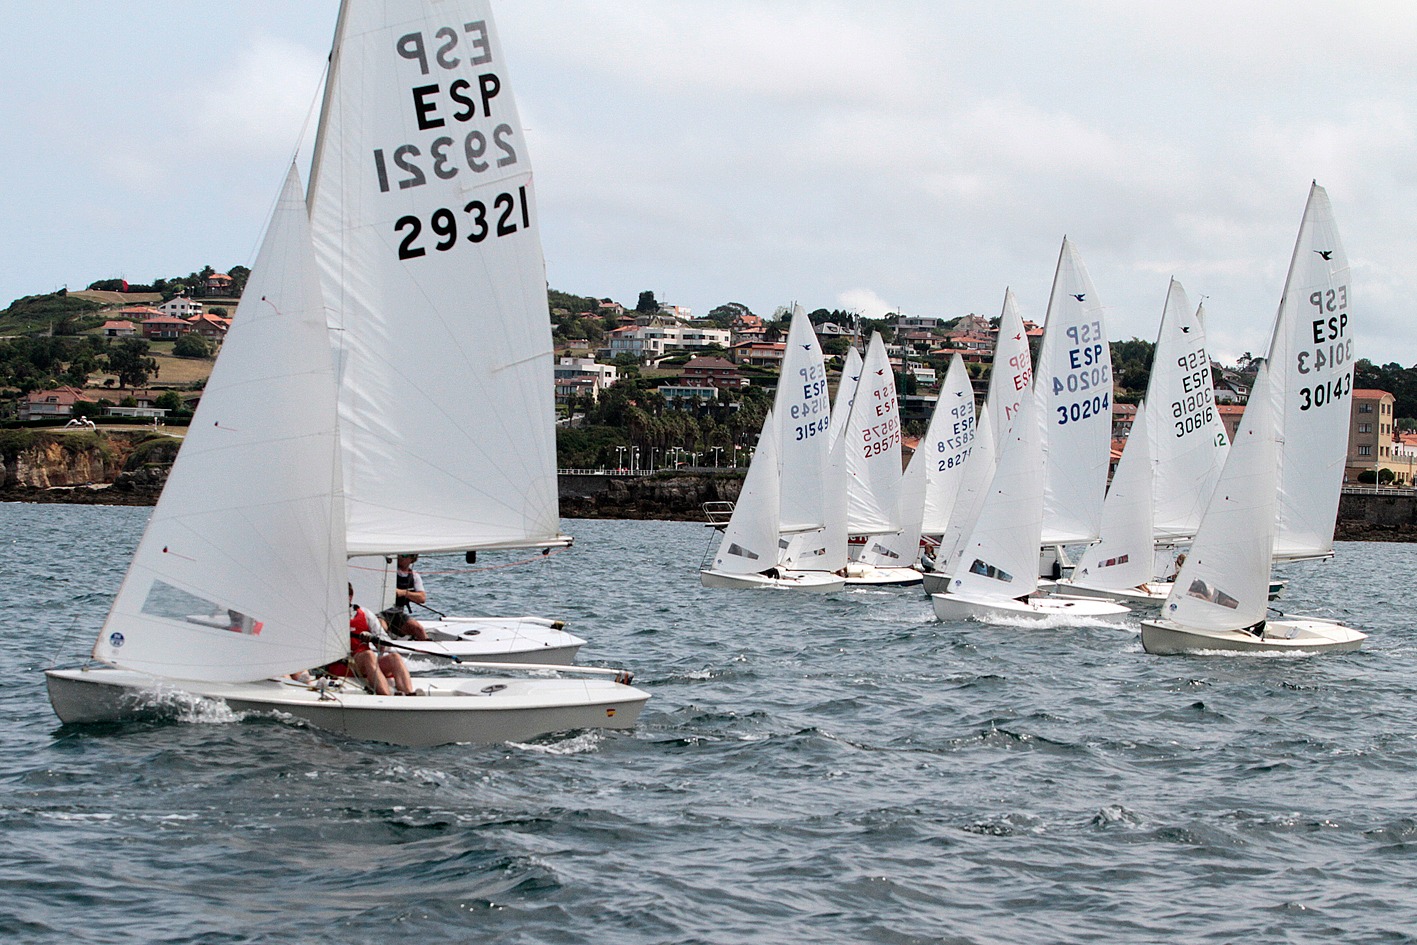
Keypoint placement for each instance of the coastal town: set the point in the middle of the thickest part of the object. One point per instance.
(638, 390)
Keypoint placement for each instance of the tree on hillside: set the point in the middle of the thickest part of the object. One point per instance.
(239, 275)
(647, 304)
(129, 360)
(1131, 364)
(724, 315)
(191, 345)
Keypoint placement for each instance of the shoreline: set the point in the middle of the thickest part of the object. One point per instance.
(679, 497)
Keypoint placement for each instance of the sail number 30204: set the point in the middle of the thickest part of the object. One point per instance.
(508, 214)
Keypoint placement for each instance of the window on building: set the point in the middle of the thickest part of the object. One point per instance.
(1365, 408)
(1365, 451)
(1365, 428)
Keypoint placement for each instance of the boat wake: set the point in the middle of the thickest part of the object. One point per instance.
(1053, 622)
(581, 743)
(179, 706)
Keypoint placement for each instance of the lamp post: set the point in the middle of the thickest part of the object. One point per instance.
(634, 459)
(716, 451)
(620, 458)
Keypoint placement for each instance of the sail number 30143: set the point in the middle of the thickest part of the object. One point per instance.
(508, 214)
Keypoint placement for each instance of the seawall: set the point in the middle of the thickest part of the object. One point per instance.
(129, 468)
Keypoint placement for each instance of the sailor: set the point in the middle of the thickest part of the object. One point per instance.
(408, 590)
(365, 661)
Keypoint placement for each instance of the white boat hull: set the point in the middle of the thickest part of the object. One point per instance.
(1150, 595)
(956, 607)
(814, 581)
(1146, 596)
(500, 640)
(865, 575)
(1299, 635)
(935, 582)
(477, 710)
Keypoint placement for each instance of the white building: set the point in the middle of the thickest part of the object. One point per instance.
(604, 375)
(645, 342)
(181, 307)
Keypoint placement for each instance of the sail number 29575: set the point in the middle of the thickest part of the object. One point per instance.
(508, 213)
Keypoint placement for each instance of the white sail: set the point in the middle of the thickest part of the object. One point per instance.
(426, 233)
(974, 486)
(241, 583)
(750, 540)
(1011, 374)
(825, 548)
(1224, 582)
(901, 549)
(1010, 383)
(845, 392)
(945, 448)
(872, 434)
(803, 410)
(1187, 434)
(1122, 556)
(1073, 386)
(999, 559)
(1311, 372)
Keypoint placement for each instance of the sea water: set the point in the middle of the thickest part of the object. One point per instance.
(834, 768)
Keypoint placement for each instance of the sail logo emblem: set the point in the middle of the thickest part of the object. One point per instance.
(115, 639)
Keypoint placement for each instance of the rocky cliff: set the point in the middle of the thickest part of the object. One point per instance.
(113, 468)
(678, 496)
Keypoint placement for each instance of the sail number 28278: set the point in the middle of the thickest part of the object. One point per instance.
(508, 214)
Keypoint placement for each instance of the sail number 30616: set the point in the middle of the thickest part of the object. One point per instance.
(508, 214)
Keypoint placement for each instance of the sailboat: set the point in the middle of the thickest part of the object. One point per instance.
(1276, 496)
(1221, 594)
(928, 489)
(1119, 565)
(1010, 381)
(229, 592)
(1186, 445)
(785, 489)
(998, 572)
(998, 568)
(427, 240)
(872, 437)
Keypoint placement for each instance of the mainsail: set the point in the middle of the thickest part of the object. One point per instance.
(1073, 386)
(1188, 438)
(1311, 378)
(426, 234)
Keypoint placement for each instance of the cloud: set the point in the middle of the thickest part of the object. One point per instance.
(864, 302)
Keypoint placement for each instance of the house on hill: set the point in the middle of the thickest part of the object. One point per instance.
(119, 329)
(760, 353)
(50, 404)
(220, 284)
(181, 307)
(713, 372)
(165, 328)
(209, 326)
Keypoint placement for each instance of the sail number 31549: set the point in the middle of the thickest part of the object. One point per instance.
(508, 214)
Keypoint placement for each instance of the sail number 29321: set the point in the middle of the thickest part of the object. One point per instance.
(508, 214)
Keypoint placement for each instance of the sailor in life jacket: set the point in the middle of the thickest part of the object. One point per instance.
(375, 668)
(408, 589)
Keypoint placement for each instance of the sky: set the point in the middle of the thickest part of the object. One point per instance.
(904, 156)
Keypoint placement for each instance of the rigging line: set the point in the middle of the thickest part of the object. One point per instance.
(543, 556)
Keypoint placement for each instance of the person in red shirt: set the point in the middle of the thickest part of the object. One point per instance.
(375, 668)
